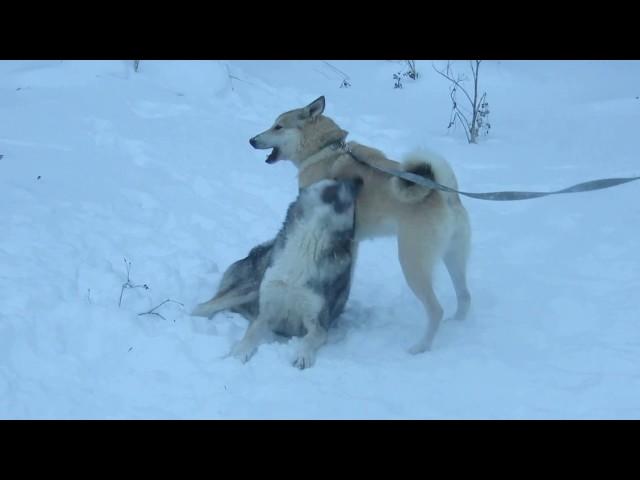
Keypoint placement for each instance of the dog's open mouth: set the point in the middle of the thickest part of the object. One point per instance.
(273, 156)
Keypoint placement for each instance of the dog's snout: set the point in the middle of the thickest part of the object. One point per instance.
(252, 141)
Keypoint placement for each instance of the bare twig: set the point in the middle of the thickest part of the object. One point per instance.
(153, 310)
(474, 118)
(457, 114)
(412, 73)
(128, 283)
(479, 106)
(231, 77)
(398, 80)
(322, 73)
(464, 122)
(455, 82)
(336, 69)
(345, 82)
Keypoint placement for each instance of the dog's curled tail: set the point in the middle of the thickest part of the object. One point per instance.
(419, 163)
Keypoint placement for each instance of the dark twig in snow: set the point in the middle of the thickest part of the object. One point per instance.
(479, 122)
(153, 312)
(345, 83)
(128, 283)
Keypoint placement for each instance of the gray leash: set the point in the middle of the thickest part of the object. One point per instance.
(498, 196)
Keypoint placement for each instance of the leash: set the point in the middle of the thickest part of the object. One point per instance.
(496, 196)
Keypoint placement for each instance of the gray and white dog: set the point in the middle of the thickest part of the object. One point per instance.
(298, 283)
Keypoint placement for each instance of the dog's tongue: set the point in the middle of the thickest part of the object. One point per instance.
(273, 156)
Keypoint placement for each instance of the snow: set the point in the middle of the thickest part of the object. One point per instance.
(100, 164)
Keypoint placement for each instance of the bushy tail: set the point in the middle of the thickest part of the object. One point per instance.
(409, 192)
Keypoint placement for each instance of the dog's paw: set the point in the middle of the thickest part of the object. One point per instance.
(457, 317)
(419, 348)
(304, 360)
(242, 352)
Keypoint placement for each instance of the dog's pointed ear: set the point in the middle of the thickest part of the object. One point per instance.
(314, 109)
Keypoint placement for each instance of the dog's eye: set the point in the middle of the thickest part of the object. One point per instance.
(277, 127)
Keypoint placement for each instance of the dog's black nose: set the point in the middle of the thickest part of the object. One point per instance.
(252, 141)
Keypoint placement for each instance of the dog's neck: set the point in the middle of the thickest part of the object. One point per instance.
(324, 152)
(315, 167)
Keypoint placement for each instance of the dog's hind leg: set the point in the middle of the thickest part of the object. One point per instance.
(224, 301)
(418, 253)
(455, 259)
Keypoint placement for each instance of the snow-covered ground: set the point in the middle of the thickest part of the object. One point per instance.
(100, 164)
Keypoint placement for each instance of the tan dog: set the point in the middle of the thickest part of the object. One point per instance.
(429, 224)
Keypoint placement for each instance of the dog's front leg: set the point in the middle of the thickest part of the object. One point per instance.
(316, 337)
(245, 348)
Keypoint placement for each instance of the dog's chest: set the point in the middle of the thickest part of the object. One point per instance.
(296, 262)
